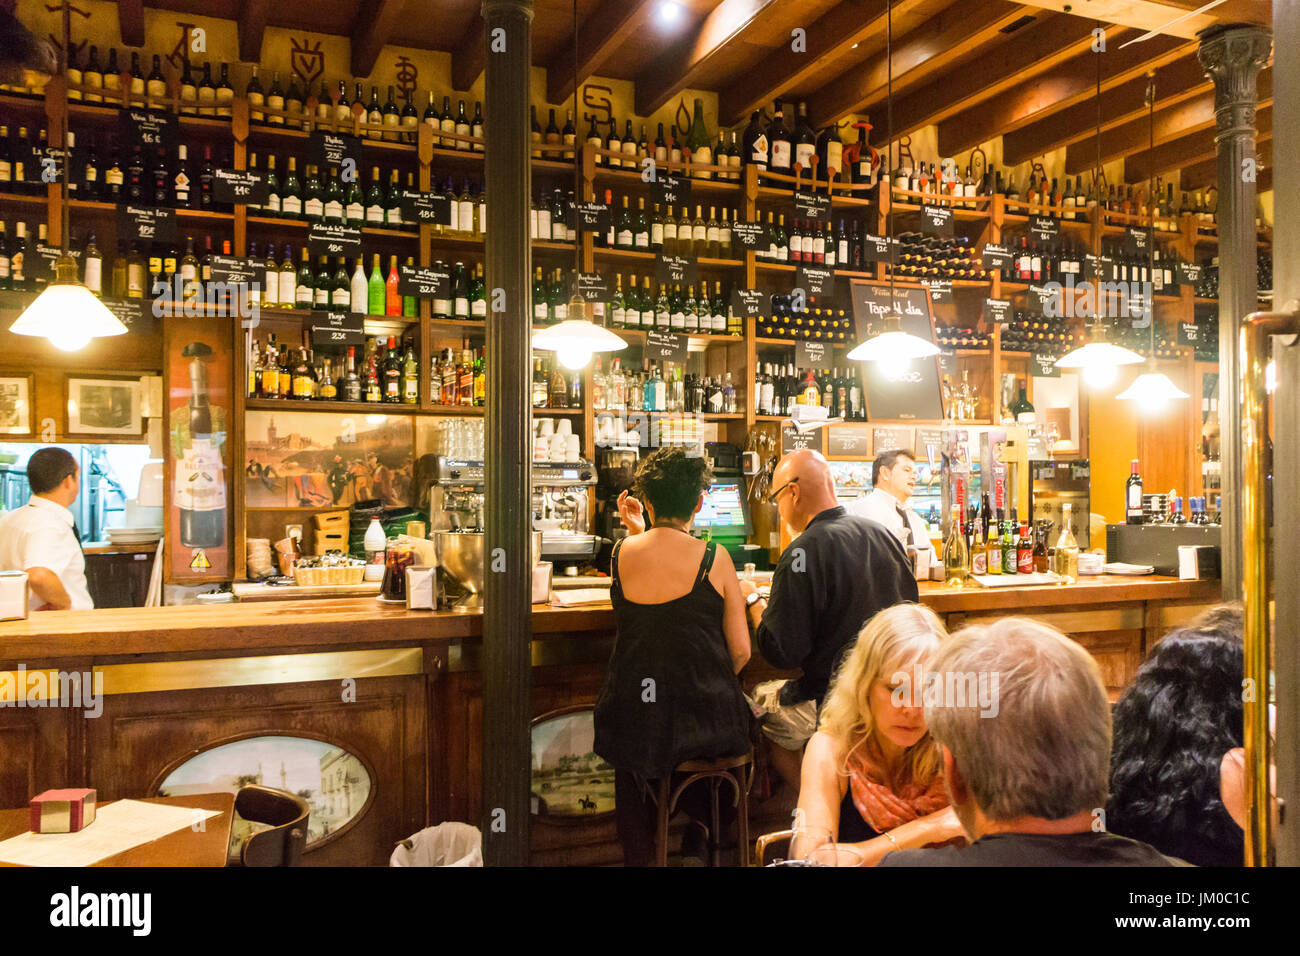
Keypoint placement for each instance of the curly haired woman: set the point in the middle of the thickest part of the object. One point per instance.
(1176, 728)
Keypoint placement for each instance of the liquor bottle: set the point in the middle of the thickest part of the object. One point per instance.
(288, 281)
(206, 93)
(1010, 564)
(112, 77)
(1021, 409)
(93, 78)
(291, 203)
(201, 494)
(341, 288)
(700, 143)
(374, 115)
(778, 137)
(1040, 548)
(956, 555)
(351, 385)
(477, 294)
(1065, 559)
(476, 125)
(1133, 495)
(304, 283)
(313, 203)
(978, 554)
(754, 144)
(322, 285)
(94, 267)
(1024, 551)
(392, 299)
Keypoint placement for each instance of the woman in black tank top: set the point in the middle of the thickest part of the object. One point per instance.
(671, 692)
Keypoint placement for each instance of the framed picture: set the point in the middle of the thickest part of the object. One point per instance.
(15, 404)
(571, 784)
(104, 406)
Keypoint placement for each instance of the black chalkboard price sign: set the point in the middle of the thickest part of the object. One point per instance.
(239, 186)
(329, 239)
(815, 280)
(793, 440)
(235, 270)
(433, 208)
(936, 220)
(148, 128)
(810, 354)
(750, 235)
(423, 283)
(130, 312)
(1044, 365)
(676, 269)
(940, 290)
(997, 310)
(593, 287)
(338, 328)
(1189, 333)
(1044, 228)
(669, 189)
(333, 149)
(1136, 241)
(812, 206)
(749, 303)
(146, 223)
(903, 390)
(665, 346)
(995, 256)
(878, 248)
(593, 217)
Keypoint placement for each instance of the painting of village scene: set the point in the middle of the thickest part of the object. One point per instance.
(332, 780)
(308, 460)
(568, 779)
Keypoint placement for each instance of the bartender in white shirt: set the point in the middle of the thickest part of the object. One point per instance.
(41, 538)
(893, 474)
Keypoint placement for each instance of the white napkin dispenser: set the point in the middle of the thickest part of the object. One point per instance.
(421, 588)
(13, 595)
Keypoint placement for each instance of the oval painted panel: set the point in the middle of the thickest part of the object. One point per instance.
(569, 780)
(332, 780)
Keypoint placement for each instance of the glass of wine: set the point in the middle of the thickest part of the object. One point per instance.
(834, 854)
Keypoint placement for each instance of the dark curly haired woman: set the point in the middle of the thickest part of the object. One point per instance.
(1173, 728)
(671, 692)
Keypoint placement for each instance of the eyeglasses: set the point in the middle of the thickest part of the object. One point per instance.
(771, 499)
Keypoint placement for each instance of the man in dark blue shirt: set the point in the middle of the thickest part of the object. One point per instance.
(833, 578)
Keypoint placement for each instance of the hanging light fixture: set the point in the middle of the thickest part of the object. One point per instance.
(1097, 359)
(577, 338)
(1152, 389)
(891, 344)
(66, 312)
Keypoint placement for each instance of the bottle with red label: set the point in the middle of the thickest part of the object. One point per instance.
(1024, 551)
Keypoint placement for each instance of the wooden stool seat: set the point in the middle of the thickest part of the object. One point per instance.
(737, 771)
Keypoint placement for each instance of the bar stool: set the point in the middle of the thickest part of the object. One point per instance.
(737, 771)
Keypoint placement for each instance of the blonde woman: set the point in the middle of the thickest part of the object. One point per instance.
(872, 776)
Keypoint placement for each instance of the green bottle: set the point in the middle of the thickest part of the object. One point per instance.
(410, 308)
(1008, 548)
(375, 290)
(305, 288)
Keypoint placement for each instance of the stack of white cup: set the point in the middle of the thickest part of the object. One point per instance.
(554, 440)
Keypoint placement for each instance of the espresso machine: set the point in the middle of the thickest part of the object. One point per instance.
(456, 495)
(562, 510)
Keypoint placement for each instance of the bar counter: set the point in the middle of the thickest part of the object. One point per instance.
(400, 691)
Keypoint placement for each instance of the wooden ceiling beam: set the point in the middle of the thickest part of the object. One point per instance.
(600, 35)
(251, 27)
(918, 54)
(842, 28)
(1146, 15)
(1185, 151)
(682, 65)
(373, 28)
(1068, 83)
(1178, 81)
(130, 21)
(1175, 122)
(1205, 174)
(470, 55)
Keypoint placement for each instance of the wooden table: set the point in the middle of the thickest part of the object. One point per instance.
(182, 847)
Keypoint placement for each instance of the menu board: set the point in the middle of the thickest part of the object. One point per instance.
(898, 391)
(848, 441)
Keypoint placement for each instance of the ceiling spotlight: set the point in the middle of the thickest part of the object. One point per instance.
(669, 12)
(854, 47)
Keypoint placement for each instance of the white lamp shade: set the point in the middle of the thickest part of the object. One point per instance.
(575, 335)
(893, 347)
(69, 315)
(1099, 353)
(1152, 389)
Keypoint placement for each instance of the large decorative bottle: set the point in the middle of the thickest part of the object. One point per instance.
(199, 489)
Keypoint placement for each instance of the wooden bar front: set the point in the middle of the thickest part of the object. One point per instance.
(401, 691)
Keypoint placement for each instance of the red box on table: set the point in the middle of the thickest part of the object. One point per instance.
(63, 811)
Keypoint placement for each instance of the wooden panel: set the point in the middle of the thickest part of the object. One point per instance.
(119, 580)
(140, 736)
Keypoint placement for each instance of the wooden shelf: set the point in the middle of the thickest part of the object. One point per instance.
(605, 252)
(959, 213)
(793, 342)
(94, 205)
(18, 197)
(316, 405)
(632, 177)
(548, 412)
(711, 338)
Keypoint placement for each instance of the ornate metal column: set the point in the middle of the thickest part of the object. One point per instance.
(508, 561)
(1286, 446)
(1232, 57)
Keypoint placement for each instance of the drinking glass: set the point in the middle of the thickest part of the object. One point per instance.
(805, 839)
(834, 854)
(397, 558)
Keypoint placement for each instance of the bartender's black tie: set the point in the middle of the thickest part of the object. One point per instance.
(907, 525)
(76, 533)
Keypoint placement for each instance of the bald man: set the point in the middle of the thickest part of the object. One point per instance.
(833, 578)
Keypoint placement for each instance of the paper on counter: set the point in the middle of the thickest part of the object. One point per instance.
(579, 596)
(119, 826)
(1016, 580)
